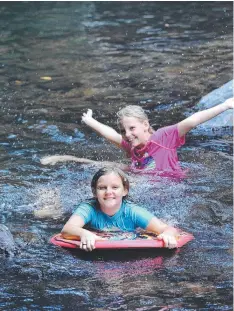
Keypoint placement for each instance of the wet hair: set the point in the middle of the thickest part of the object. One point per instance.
(132, 111)
(108, 170)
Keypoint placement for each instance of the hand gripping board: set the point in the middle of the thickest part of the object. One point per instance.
(123, 240)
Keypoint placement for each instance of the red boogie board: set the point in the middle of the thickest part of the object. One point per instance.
(123, 240)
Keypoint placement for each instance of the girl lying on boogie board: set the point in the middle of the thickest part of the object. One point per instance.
(110, 209)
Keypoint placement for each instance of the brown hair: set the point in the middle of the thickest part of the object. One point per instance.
(107, 170)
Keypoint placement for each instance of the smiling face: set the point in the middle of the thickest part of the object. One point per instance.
(110, 192)
(135, 131)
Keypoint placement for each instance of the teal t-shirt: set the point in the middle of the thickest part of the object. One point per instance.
(128, 218)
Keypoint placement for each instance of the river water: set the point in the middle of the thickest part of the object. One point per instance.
(57, 60)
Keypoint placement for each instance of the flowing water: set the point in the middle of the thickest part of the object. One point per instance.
(57, 60)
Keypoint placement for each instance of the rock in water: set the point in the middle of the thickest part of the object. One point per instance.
(7, 244)
(214, 98)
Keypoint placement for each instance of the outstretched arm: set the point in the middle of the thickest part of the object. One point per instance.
(202, 116)
(106, 131)
(74, 228)
(166, 233)
(52, 160)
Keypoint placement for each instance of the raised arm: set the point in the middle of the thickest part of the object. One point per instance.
(106, 131)
(165, 232)
(74, 228)
(202, 116)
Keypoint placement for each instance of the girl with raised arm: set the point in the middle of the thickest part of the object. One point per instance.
(149, 150)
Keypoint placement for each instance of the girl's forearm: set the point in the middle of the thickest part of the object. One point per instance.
(170, 230)
(205, 115)
(104, 130)
(97, 126)
(64, 158)
(72, 232)
(201, 117)
(157, 226)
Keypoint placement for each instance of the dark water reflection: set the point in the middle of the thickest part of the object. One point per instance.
(103, 55)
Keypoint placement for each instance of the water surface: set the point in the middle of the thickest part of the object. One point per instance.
(58, 60)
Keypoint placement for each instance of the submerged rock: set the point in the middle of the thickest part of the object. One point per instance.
(7, 244)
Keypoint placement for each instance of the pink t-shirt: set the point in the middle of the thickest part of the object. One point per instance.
(159, 154)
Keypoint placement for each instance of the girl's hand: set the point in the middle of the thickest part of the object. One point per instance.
(87, 240)
(168, 240)
(87, 116)
(230, 103)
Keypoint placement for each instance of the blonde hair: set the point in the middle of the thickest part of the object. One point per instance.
(133, 111)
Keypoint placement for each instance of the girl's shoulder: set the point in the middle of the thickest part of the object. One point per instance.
(165, 130)
(89, 203)
(132, 205)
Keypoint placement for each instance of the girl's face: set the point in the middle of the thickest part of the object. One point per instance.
(136, 132)
(110, 192)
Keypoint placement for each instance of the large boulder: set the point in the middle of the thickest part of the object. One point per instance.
(214, 98)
